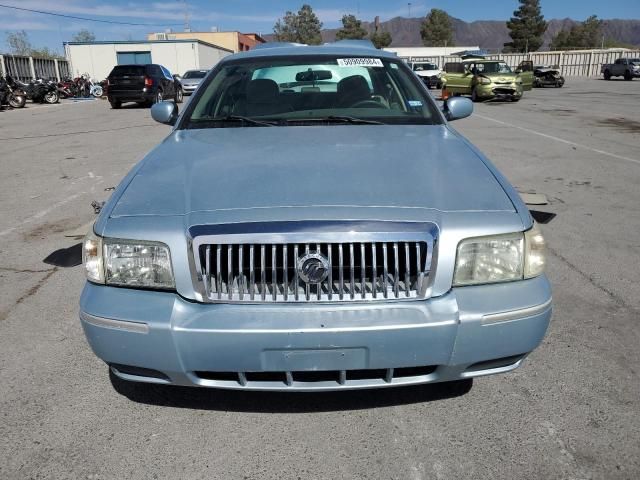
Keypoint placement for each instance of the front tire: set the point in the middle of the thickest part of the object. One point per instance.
(179, 96)
(628, 76)
(158, 98)
(17, 101)
(51, 97)
(115, 104)
(607, 75)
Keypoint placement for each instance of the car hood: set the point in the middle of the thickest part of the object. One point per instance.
(195, 81)
(506, 76)
(428, 167)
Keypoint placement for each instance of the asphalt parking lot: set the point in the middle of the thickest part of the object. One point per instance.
(572, 410)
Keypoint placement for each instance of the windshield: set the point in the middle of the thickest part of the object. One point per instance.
(635, 61)
(418, 67)
(492, 67)
(195, 74)
(307, 90)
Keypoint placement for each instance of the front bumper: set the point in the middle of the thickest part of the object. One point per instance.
(189, 89)
(498, 91)
(162, 338)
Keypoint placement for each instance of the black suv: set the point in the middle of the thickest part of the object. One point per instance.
(144, 84)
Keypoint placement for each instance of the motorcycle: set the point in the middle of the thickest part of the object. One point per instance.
(65, 89)
(41, 91)
(11, 94)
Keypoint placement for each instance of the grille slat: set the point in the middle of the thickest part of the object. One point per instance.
(263, 274)
(385, 271)
(341, 271)
(229, 271)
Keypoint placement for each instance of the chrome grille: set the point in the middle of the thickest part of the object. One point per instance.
(265, 267)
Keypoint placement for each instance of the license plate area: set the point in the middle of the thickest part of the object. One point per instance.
(315, 360)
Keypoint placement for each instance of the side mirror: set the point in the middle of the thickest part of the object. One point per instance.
(165, 112)
(457, 107)
(518, 71)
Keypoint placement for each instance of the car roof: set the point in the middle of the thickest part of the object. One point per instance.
(346, 48)
(481, 60)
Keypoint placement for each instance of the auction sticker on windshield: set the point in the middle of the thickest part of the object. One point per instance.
(359, 62)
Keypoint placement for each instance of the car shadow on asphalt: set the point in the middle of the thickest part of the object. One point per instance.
(285, 402)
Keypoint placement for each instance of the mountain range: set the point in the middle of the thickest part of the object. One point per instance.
(488, 34)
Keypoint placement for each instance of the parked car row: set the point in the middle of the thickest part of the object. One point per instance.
(484, 79)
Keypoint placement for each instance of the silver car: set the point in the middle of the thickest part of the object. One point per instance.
(313, 222)
(191, 79)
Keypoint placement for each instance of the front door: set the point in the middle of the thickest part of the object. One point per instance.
(526, 73)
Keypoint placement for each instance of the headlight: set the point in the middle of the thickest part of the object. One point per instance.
(128, 263)
(499, 258)
(485, 81)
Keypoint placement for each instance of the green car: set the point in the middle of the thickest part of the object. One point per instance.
(484, 79)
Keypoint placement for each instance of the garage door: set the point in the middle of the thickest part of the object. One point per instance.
(139, 58)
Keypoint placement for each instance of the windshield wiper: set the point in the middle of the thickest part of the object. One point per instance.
(240, 118)
(347, 119)
(331, 119)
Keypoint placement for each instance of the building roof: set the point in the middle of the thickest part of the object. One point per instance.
(356, 48)
(137, 42)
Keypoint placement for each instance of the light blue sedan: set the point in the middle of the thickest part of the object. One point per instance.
(313, 222)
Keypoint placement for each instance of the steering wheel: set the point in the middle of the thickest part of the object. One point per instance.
(367, 104)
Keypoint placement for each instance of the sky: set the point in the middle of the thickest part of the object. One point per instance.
(257, 15)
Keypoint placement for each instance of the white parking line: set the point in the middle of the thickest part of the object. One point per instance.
(42, 213)
(558, 139)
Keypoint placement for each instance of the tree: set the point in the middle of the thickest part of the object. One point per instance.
(84, 35)
(352, 29)
(583, 35)
(44, 52)
(526, 27)
(19, 43)
(303, 27)
(381, 39)
(436, 29)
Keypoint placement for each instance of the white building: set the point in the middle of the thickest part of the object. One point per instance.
(428, 53)
(98, 58)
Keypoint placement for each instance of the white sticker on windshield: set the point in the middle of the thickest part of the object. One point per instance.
(414, 103)
(359, 62)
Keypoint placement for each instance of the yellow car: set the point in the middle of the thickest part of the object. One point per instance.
(484, 79)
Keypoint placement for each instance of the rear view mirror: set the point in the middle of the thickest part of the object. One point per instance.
(313, 75)
(165, 112)
(457, 107)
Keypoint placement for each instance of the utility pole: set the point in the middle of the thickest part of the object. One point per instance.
(187, 24)
(409, 7)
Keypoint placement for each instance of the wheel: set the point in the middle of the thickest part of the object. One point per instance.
(97, 91)
(628, 76)
(158, 98)
(115, 104)
(179, 96)
(16, 101)
(515, 99)
(51, 97)
(607, 75)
